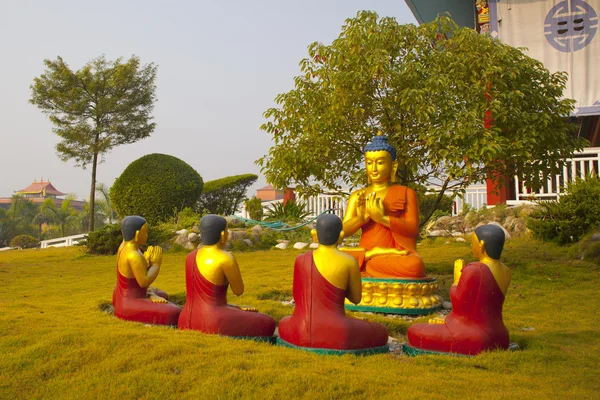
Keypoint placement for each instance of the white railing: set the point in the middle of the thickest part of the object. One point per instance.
(475, 196)
(63, 241)
(323, 202)
(580, 165)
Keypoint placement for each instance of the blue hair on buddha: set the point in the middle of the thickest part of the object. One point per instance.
(381, 143)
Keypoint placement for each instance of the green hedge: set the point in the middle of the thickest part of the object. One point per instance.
(25, 242)
(156, 187)
(223, 196)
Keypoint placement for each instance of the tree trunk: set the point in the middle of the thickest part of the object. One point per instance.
(93, 193)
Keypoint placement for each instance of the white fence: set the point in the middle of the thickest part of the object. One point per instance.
(580, 165)
(63, 241)
(475, 196)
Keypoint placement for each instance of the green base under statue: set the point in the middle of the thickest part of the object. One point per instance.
(398, 296)
(413, 351)
(333, 352)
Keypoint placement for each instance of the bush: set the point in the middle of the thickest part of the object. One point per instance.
(427, 206)
(25, 242)
(569, 219)
(105, 240)
(223, 196)
(292, 211)
(255, 208)
(187, 218)
(155, 186)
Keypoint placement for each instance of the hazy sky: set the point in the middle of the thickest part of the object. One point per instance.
(220, 66)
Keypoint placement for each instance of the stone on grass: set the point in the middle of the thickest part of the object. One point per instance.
(182, 240)
(256, 229)
(190, 246)
(248, 242)
(192, 237)
(282, 246)
(313, 245)
(461, 239)
(182, 232)
(300, 245)
(446, 305)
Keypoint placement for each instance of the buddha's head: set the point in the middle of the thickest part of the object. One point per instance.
(134, 228)
(328, 230)
(380, 160)
(213, 229)
(488, 240)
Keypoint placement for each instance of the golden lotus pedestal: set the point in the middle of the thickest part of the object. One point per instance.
(398, 296)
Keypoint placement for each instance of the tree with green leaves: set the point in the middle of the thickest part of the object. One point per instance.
(61, 216)
(18, 219)
(104, 203)
(430, 89)
(102, 105)
(223, 196)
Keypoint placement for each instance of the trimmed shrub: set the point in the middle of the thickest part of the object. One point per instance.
(25, 242)
(576, 214)
(223, 196)
(154, 187)
(255, 208)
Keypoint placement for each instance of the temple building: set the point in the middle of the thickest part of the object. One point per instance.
(563, 35)
(38, 192)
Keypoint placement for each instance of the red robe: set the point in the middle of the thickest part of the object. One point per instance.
(131, 303)
(319, 319)
(206, 308)
(402, 208)
(475, 323)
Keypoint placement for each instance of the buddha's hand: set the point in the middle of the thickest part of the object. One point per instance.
(156, 256)
(148, 254)
(361, 207)
(458, 266)
(375, 208)
(155, 298)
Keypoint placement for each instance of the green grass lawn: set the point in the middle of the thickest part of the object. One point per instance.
(55, 342)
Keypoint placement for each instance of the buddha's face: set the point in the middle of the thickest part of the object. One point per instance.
(142, 236)
(379, 166)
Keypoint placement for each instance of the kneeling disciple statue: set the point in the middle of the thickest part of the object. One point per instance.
(387, 214)
(475, 323)
(133, 299)
(322, 280)
(208, 273)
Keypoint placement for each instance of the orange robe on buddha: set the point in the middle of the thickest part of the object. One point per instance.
(401, 206)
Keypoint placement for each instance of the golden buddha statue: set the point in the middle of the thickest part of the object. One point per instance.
(133, 298)
(388, 215)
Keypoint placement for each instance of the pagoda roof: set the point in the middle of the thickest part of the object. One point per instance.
(38, 187)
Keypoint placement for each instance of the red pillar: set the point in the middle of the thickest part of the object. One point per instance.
(288, 195)
(495, 194)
